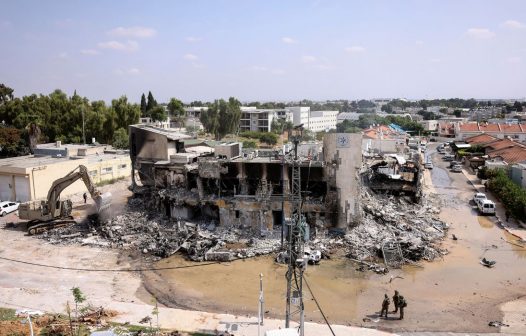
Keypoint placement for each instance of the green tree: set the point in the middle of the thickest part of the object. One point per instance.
(78, 297)
(158, 113)
(143, 105)
(120, 139)
(126, 113)
(151, 103)
(6, 94)
(279, 125)
(109, 125)
(222, 117)
(176, 110)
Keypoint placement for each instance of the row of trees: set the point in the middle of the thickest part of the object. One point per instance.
(59, 117)
(367, 120)
(510, 194)
(222, 117)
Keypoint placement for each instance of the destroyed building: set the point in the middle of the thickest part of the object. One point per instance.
(225, 184)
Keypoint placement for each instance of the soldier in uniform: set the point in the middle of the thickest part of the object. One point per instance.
(401, 304)
(385, 306)
(396, 297)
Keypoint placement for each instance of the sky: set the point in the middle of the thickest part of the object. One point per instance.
(265, 50)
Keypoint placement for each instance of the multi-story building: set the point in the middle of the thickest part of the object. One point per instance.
(254, 119)
(315, 121)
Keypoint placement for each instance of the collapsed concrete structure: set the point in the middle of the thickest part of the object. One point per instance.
(248, 188)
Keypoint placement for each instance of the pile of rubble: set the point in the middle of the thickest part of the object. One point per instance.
(152, 234)
(412, 228)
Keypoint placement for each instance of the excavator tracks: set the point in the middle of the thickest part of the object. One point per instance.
(37, 228)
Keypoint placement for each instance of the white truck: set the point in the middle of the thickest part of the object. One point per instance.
(486, 207)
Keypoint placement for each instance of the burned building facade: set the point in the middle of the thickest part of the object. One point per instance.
(248, 189)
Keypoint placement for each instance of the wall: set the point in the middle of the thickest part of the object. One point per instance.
(381, 146)
(108, 169)
(149, 145)
(518, 175)
(14, 187)
(343, 161)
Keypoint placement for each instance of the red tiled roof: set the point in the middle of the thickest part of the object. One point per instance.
(511, 155)
(499, 128)
(480, 139)
(502, 143)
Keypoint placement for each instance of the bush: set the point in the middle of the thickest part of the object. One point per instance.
(269, 138)
(266, 137)
(510, 194)
(249, 144)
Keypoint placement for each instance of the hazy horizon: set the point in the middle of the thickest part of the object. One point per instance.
(266, 51)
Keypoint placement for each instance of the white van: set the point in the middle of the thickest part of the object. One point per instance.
(486, 207)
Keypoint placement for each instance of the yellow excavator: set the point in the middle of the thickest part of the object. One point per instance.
(53, 212)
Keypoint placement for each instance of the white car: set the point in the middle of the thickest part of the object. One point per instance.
(428, 165)
(486, 207)
(8, 207)
(479, 197)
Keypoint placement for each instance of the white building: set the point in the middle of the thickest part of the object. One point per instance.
(315, 121)
(429, 125)
(254, 119)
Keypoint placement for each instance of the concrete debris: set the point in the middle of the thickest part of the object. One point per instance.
(154, 235)
(414, 227)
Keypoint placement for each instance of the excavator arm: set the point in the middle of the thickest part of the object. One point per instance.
(102, 201)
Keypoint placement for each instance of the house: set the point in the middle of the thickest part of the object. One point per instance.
(513, 131)
(480, 139)
(383, 139)
(429, 125)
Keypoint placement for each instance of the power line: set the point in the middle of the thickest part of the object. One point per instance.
(152, 269)
(318, 305)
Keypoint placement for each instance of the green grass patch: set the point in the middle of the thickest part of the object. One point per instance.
(7, 314)
(110, 181)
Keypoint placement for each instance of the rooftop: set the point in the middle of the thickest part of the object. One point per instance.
(170, 134)
(511, 154)
(480, 139)
(496, 128)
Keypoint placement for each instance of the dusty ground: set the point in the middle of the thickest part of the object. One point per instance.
(455, 294)
(47, 288)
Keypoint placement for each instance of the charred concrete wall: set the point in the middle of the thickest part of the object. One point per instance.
(343, 160)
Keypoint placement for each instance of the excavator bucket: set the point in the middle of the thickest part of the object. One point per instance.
(103, 202)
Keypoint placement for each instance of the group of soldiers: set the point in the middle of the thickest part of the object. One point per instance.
(399, 303)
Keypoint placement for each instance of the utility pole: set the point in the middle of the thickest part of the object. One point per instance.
(261, 312)
(83, 125)
(30, 324)
(296, 238)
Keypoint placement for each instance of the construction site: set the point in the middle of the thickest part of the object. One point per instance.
(324, 227)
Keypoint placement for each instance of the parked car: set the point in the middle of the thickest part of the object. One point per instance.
(432, 140)
(8, 207)
(453, 163)
(448, 157)
(479, 197)
(428, 165)
(457, 168)
(486, 207)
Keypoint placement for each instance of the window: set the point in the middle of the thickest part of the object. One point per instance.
(93, 173)
(107, 170)
(123, 166)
